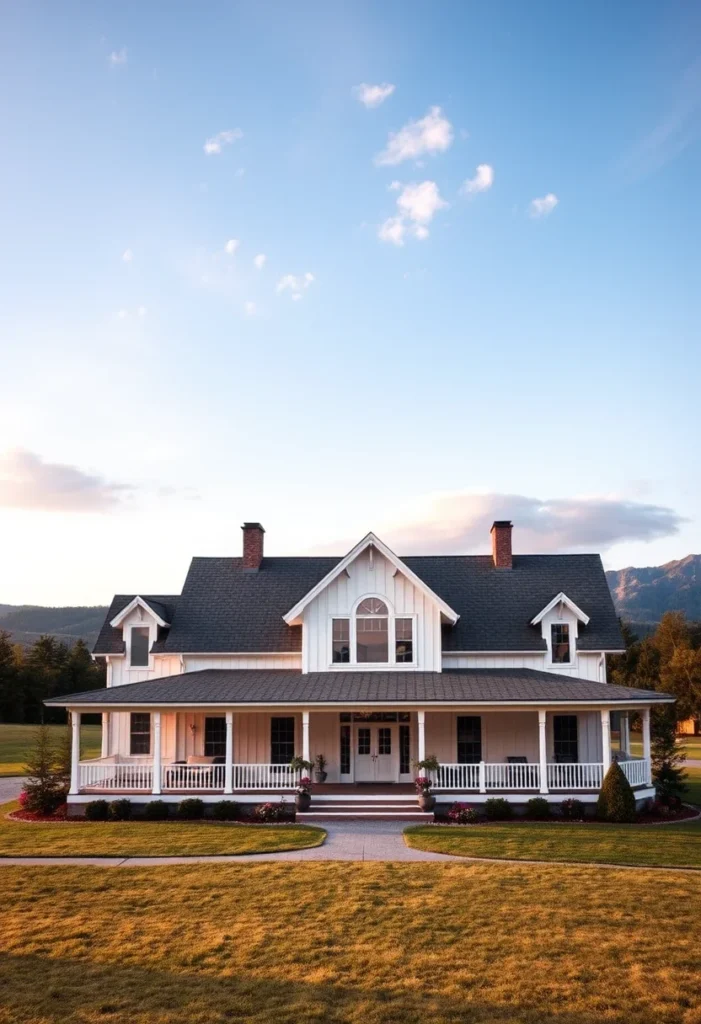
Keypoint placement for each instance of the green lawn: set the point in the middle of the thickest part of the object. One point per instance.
(349, 943)
(147, 838)
(16, 742)
(676, 845)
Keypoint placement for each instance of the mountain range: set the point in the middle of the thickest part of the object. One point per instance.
(641, 596)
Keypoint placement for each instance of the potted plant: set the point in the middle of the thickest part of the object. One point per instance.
(423, 782)
(320, 772)
(303, 799)
(298, 764)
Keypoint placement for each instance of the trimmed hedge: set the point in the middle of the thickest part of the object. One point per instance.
(616, 798)
(97, 810)
(497, 808)
(538, 809)
(190, 809)
(157, 810)
(225, 810)
(120, 810)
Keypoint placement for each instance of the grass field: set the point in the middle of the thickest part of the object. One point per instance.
(648, 845)
(363, 943)
(16, 742)
(147, 838)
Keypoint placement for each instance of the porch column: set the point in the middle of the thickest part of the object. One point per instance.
(421, 716)
(75, 752)
(228, 761)
(606, 739)
(625, 733)
(306, 754)
(543, 750)
(156, 781)
(105, 749)
(647, 746)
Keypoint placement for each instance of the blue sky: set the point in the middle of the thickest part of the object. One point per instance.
(537, 362)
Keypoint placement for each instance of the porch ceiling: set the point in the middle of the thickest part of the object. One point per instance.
(258, 687)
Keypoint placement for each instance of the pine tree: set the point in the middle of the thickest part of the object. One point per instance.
(616, 798)
(62, 762)
(43, 787)
(668, 773)
(10, 692)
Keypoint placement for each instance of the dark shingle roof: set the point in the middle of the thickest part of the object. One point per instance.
(220, 686)
(225, 608)
(110, 640)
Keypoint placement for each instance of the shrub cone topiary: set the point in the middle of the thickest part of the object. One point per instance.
(616, 799)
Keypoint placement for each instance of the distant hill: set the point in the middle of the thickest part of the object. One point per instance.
(642, 596)
(28, 622)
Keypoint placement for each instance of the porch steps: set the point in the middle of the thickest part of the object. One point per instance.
(377, 811)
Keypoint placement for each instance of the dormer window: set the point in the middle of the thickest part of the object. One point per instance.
(373, 636)
(372, 632)
(140, 637)
(560, 643)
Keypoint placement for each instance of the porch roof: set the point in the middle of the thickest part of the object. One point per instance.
(260, 687)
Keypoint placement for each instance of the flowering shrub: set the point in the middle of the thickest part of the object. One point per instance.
(463, 814)
(422, 783)
(23, 800)
(304, 785)
(572, 810)
(270, 811)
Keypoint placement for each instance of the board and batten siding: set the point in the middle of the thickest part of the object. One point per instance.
(364, 578)
(586, 665)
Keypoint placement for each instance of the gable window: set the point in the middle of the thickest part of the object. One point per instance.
(565, 745)
(560, 643)
(139, 646)
(282, 740)
(404, 641)
(372, 632)
(341, 641)
(469, 739)
(215, 736)
(139, 733)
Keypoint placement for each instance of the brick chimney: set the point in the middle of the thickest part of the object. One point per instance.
(501, 543)
(252, 545)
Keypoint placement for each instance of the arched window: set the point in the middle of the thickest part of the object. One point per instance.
(372, 631)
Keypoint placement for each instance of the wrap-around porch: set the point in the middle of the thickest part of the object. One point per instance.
(215, 753)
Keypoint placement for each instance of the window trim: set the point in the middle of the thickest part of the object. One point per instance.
(132, 627)
(143, 753)
(570, 639)
(353, 663)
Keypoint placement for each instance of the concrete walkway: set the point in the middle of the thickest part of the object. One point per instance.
(10, 788)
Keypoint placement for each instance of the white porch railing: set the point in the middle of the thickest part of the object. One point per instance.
(107, 775)
(636, 770)
(457, 776)
(264, 776)
(512, 776)
(192, 777)
(575, 776)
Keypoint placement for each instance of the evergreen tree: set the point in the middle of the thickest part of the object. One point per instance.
(616, 798)
(42, 789)
(62, 761)
(11, 705)
(668, 773)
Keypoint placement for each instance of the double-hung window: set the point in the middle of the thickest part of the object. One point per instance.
(373, 636)
(215, 736)
(139, 733)
(139, 646)
(560, 643)
(282, 740)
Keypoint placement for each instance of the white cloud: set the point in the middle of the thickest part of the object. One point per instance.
(295, 285)
(118, 57)
(249, 308)
(216, 143)
(431, 134)
(417, 206)
(542, 207)
(231, 246)
(127, 256)
(122, 314)
(483, 180)
(141, 311)
(26, 481)
(373, 95)
(259, 261)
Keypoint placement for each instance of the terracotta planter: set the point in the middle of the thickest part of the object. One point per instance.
(426, 801)
(303, 801)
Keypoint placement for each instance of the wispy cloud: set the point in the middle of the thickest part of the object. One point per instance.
(125, 314)
(27, 482)
(127, 256)
(231, 246)
(259, 261)
(249, 308)
(459, 522)
(678, 127)
(429, 135)
(543, 206)
(216, 143)
(118, 57)
(295, 284)
(372, 95)
(416, 206)
(482, 181)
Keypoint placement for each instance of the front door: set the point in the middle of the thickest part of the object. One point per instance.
(376, 753)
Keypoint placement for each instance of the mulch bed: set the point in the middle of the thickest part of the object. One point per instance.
(686, 813)
(60, 818)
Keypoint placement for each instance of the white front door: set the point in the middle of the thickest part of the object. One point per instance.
(376, 753)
